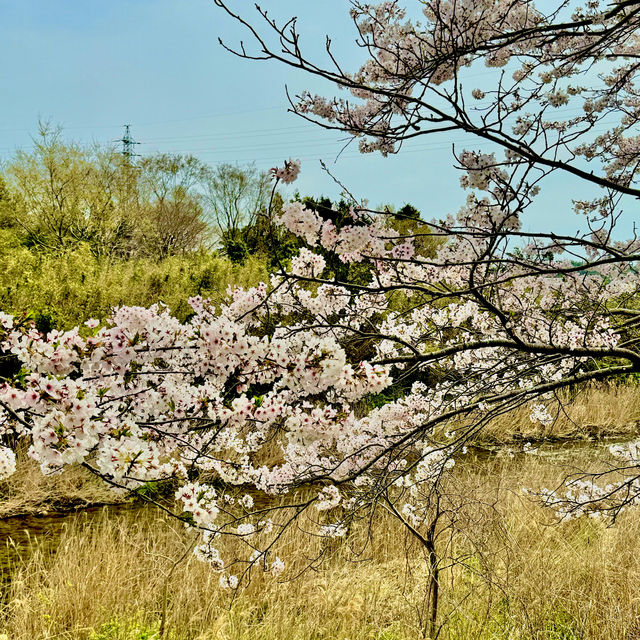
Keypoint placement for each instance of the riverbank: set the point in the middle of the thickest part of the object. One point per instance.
(509, 572)
(30, 493)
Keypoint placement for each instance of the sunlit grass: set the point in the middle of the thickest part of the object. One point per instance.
(518, 575)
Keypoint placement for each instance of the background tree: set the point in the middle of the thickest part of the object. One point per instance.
(172, 209)
(7, 206)
(64, 193)
(236, 197)
(50, 183)
(113, 216)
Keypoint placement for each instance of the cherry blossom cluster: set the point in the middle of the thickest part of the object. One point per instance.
(288, 173)
(146, 398)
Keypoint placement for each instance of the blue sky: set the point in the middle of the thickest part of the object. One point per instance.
(93, 65)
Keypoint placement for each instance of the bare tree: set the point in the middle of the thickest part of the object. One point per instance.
(235, 197)
(65, 193)
(173, 210)
(50, 182)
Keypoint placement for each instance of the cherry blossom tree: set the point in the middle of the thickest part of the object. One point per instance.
(562, 101)
(341, 394)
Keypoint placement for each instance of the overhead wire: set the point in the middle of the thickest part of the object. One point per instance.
(156, 122)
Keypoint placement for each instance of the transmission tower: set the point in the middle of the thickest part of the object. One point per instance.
(128, 144)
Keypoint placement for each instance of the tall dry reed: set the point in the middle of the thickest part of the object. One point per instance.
(516, 575)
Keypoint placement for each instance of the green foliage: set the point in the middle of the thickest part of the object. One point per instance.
(7, 205)
(117, 629)
(64, 288)
(236, 251)
(556, 624)
(155, 490)
(561, 626)
(409, 211)
(391, 634)
(275, 245)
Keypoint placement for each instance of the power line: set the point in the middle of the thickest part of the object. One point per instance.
(156, 122)
(242, 133)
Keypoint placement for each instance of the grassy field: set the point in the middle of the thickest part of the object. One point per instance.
(596, 411)
(509, 572)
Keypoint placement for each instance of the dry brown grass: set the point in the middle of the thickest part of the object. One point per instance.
(597, 411)
(522, 577)
(28, 491)
(109, 574)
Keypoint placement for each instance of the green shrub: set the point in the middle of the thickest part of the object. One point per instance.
(124, 630)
